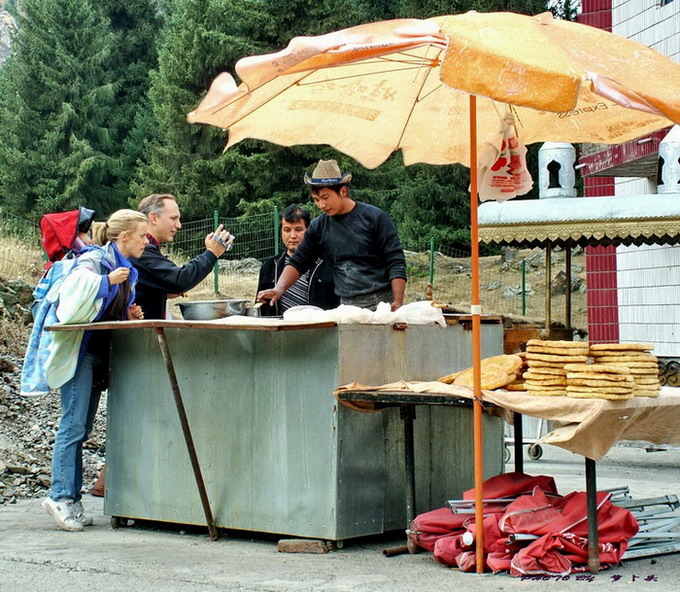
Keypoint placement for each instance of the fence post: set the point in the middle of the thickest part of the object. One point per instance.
(524, 287)
(276, 231)
(216, 268)
(431, 260)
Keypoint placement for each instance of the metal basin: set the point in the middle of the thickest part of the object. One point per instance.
(207, 310)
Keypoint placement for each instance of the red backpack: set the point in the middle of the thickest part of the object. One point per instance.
(58, 232)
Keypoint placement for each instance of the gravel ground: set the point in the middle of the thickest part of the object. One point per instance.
(28, 426)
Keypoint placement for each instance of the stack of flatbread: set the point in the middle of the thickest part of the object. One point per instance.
(496, 371)
(637, 357)
(599, 381)
(546, 374)
(519, 384)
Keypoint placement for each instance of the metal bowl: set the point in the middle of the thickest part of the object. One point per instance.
(207, 310)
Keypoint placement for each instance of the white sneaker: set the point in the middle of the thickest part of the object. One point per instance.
(62, 513)
(80, 515)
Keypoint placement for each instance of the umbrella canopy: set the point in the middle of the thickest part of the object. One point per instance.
(376, 88)
(419, 86)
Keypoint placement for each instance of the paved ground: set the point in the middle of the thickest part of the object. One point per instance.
(34, 555)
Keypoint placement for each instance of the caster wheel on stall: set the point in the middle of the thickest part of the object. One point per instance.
(535, 452)
(118, 522)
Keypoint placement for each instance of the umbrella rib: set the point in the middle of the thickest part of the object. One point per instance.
(250, 92)
(418, 99)
(302, 83)
(376, 73)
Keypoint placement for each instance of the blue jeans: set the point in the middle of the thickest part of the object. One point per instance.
(79, 402)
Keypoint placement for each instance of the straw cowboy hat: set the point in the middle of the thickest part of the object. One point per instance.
(327, 173)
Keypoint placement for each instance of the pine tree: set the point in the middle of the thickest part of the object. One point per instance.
(202, 38)
(135, 25)
(56, 98)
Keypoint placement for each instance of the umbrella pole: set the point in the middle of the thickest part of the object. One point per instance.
(475, 310)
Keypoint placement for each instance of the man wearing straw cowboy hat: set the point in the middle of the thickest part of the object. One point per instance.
(359, 241)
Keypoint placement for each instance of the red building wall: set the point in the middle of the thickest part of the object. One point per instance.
(602, 300)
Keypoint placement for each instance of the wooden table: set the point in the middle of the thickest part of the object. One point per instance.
(407, 401)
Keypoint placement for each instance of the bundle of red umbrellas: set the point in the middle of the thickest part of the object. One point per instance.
(529, 529)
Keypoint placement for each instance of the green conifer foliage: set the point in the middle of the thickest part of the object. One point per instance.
(55, 105)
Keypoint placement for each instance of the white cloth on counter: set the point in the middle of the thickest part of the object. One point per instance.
(414, 313)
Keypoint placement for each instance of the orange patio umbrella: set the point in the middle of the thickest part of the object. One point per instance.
(431, 88)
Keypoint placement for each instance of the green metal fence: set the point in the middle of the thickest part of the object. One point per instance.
(510, 284)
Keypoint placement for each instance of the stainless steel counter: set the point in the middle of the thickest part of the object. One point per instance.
(278, 454)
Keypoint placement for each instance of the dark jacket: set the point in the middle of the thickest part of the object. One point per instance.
(362, 248)
(321, 286)
(158, 277)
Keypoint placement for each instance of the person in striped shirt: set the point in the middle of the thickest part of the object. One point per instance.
(314, 287)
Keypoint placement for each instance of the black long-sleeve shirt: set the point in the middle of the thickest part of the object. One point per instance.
(361, 246)
(158, 277)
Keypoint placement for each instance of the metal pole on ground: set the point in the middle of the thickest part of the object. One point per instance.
(432, 260)
(188, 438)
(476, 313)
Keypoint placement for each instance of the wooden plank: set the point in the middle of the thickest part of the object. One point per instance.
(273, 325)
(404, 398)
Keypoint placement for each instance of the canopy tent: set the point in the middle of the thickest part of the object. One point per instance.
(570, 221)
(594, 221)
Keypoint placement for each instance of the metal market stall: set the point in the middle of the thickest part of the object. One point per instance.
(269, 447)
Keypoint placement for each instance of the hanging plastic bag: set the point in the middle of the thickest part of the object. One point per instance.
(503, 172)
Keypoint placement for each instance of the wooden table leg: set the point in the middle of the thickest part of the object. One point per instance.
(408, 414)
(188, 439)
(591, 496)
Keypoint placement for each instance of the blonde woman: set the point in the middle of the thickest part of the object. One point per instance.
(101, 287)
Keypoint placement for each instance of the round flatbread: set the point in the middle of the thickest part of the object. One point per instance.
(616, 352)
(590, 368)
(547, 371)
(649, 380)
(589, 382)
(496, 372)
(608, 376)
(549, 384)
(557, 343)
(644, 372)
(531, 364)
(650, 364)
(622, 346)
(649, 394)
(490, 378)
(449, 378)
(625, 359)
(515, 386)
(539, 376)
(610, 396)
(538, 388)
(544, 349)
(600, 389)
(495, 368)
(555, 393)
(554, 358)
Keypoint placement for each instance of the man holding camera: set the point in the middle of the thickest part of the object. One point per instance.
(159, 278)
